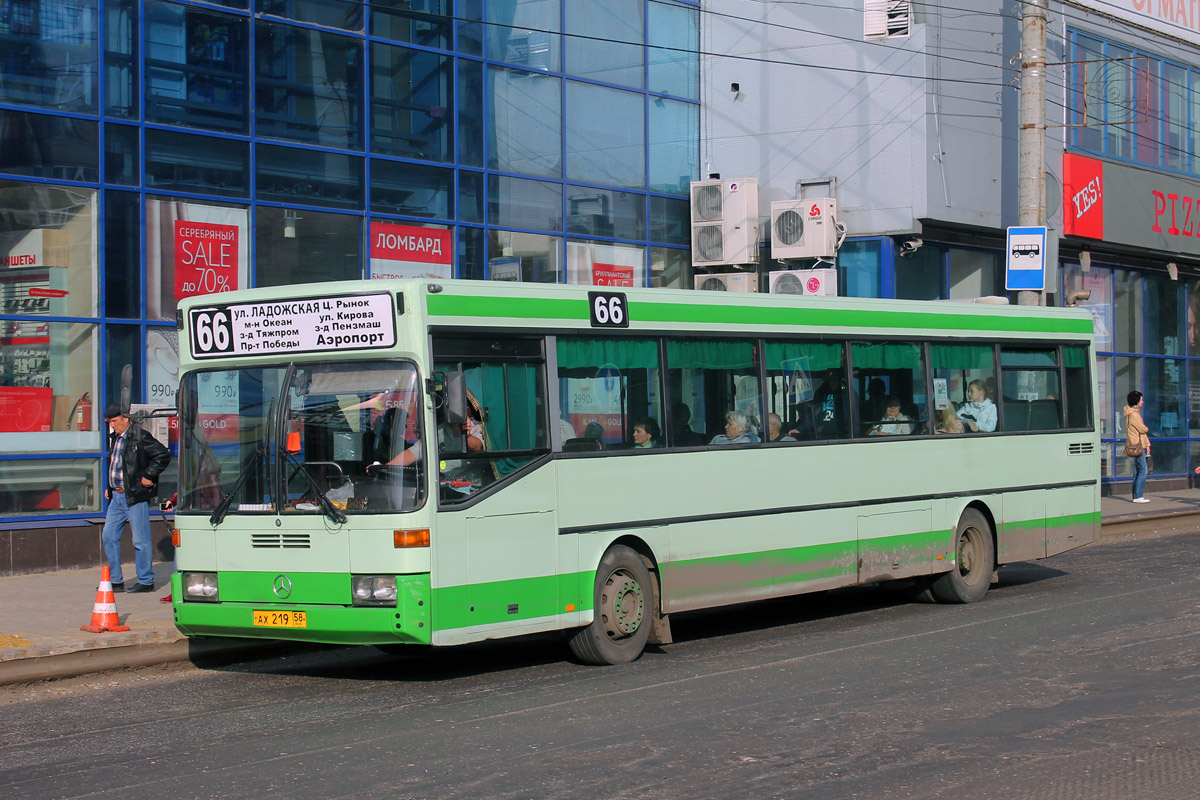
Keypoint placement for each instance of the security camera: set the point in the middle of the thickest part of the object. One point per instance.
(910, 246)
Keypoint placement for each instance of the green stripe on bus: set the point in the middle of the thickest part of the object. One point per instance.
(642, 311)
(469, 605)
(1070, 520)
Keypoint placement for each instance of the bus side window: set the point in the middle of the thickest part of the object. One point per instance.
(706, 380)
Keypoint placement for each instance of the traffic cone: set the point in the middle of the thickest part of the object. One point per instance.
(104, 613)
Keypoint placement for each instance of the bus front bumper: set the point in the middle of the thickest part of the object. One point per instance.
(408, 622)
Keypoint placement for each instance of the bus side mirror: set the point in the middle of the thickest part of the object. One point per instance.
(454, 392)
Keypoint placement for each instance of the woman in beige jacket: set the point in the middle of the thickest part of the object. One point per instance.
(1137, 433)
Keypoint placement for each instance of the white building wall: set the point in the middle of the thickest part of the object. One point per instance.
(817, 100)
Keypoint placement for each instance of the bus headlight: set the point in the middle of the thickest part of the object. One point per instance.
(373, 590)
(200, 586)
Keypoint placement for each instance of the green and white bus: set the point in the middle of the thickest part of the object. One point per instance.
(426, 462)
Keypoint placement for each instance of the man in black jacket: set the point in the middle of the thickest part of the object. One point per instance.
(136, 459)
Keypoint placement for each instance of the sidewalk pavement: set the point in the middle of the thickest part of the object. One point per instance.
(40, 614)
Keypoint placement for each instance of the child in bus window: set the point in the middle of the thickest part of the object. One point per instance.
(949, 422)
(979, 412)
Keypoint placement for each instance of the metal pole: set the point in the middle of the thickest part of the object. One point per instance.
(1031, 160)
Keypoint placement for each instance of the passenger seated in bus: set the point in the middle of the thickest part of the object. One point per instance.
(831, 413)
(775, 429)
(646, 433)
(948, 422)
(876, 397)
(978, 413)
(894, 423)
(735, 430)
(681, 434)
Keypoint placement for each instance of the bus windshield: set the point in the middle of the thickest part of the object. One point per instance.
(329, 439)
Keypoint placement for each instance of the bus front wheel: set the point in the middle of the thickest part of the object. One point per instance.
(624, 605)
(975, 560)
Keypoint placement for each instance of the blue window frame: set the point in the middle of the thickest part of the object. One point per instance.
(1132, 105)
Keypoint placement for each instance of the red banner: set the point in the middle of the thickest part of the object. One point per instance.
(206, 258)
(410, 243)
(25, 408)
(611, 275)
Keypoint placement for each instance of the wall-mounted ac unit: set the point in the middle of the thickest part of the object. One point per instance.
(724, 222)
(819, 282)
(804, 228)
(787, 281)
(727, 282)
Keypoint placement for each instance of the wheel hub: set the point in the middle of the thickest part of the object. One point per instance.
(624, 604)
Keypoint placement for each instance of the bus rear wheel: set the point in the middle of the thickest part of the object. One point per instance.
(624, 603)
(974, 562)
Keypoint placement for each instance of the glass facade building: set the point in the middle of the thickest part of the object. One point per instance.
(151, 150)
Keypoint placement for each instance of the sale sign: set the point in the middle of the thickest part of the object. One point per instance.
(612, 275)
(603, 264)
(410, 251)
(206, 258)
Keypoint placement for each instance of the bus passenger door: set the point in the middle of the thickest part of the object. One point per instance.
(512, 555)
(896, 544)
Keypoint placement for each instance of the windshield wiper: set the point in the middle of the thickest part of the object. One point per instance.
(227, 500)
(327, 506)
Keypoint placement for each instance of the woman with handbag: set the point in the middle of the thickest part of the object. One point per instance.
(1137, 442)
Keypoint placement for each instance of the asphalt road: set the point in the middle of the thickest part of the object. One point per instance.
(1074, 678)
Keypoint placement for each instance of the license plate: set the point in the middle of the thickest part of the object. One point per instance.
(280, 619)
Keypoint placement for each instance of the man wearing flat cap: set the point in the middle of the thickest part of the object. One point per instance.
(136, 459)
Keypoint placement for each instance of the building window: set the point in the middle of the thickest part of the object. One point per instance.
(604, 41)
(519, 203)
(306, 246)
(193, 247)
(412, 111)
(599, 151)
(48, 257)
(48, 54)
(185, 162)
(517, 256)
(674, 155)
(524, 131)
(307, 85)
(196, 67)
(525, 33)
(673, 59)
(291, 175)
(1131, 105)
(42, 146)
(414, 190)
(605, 263)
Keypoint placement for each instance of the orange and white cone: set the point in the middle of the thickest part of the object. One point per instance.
(104, 613)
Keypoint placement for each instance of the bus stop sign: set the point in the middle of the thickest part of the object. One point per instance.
(1026, 259)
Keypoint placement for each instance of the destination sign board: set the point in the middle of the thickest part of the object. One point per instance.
(307, 325)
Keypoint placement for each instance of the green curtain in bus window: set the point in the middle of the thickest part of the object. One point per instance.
(961, 356)
(879, 355)
(1074, 357)
(588, 354)
(688, 354)
(510, 394)
(821, 355)
(1028, 358)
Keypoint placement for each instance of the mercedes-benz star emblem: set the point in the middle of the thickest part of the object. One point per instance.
(282, 587)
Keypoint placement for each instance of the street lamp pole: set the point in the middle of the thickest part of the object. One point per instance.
(1031, 161)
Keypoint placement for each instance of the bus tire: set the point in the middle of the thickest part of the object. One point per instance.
(624, 605)
(974, 562)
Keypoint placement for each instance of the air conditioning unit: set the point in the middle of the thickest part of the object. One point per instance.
(804, 228)
(727, 282)
(787, 281)
(819, 282)
(724, 222)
